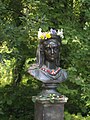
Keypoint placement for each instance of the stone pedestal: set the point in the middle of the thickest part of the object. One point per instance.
(45, 110)
(49, 104)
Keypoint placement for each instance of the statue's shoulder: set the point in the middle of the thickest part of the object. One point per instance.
(37, 73)
(33, 69)
(62, 75)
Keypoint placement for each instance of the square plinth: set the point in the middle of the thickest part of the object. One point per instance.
(49, 111)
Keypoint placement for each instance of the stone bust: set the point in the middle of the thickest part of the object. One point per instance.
(47, 68)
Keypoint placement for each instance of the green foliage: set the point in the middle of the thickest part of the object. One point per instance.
(19, 23)
(75, 117)
(16, 101)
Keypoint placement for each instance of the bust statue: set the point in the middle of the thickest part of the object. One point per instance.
(47, 68)
(49, 103)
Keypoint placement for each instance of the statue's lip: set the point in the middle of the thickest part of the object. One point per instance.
(52, 55)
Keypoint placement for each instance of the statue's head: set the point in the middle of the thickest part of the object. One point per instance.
(49, 50)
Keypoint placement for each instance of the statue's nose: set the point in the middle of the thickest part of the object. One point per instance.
(52, 51)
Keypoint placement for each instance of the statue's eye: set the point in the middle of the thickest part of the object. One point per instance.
(55, 48)
(48, 48)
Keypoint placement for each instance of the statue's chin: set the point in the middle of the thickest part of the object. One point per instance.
(51, 60)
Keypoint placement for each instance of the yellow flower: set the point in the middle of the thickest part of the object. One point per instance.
(42, 37)
(48, 35)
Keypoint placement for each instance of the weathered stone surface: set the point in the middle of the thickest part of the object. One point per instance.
(44, 110)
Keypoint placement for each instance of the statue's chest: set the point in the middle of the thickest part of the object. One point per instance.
(49, 74)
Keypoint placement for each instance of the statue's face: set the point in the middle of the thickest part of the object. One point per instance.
(51, 51)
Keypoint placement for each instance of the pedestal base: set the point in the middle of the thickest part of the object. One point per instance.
(44, 110)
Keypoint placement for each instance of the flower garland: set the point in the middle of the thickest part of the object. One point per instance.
(47, 35)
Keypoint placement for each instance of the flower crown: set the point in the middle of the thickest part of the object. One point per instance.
(47, 35)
